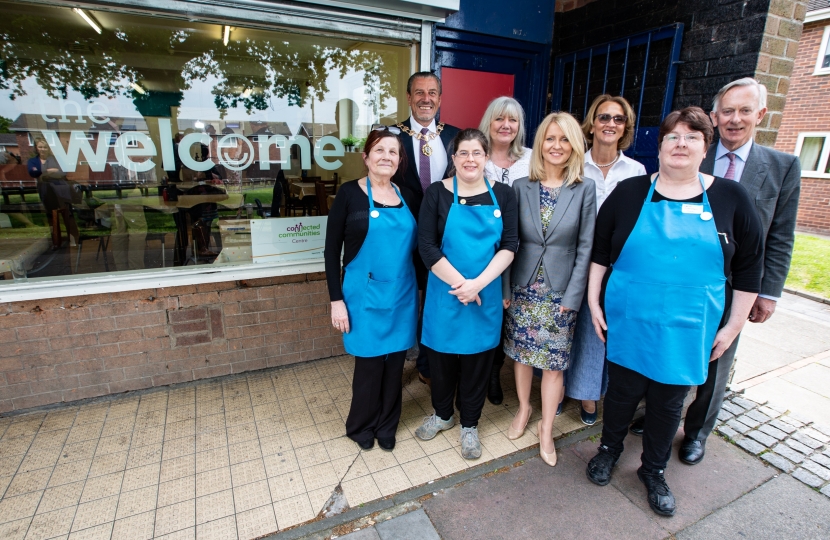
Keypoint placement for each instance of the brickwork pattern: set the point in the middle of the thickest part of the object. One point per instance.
(786, 441)
(814, 206)
(74, 348)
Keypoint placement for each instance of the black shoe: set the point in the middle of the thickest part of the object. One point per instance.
(387, 444)
(660, 497)
(692, 452)
(494, 392)
(636, 427)
(599, 468)
(366, 445)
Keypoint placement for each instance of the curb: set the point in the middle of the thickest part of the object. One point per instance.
(412, 494)
(808, 296)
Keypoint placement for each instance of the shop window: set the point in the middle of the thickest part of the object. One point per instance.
(823, 60)
(813, 150)
(153, 141)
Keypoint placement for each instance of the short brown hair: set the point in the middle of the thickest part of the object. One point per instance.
(628, 135)
(694, 117)
(423, 75)
(469, 134)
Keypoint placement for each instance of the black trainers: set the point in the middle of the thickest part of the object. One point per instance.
(637, 426)
(660, 497)
(599, 468)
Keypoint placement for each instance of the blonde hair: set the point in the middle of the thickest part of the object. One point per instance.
(506, 106)
(574, 167)
(40, 139)
(588, 124)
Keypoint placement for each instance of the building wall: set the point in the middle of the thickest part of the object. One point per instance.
(808, 109)
(88, 346)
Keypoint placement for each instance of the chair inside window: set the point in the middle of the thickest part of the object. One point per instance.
(322, 198)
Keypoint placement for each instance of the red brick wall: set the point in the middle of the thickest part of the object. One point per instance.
(808, 109)
(80, 347)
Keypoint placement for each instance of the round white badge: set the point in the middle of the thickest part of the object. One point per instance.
(706, 216)
(497, 213)
(375, 213)
(463, 201)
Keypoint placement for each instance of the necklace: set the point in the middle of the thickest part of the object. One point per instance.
(609, 164)
(377, 191)
(425, 149)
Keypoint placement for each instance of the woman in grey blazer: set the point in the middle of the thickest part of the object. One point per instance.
(557, 211)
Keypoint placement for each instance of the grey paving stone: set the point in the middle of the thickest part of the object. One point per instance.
(737, 426)
(749, 421)
(783, 426)
(806, 450)
(807, 477)
(751, 446)
(778, 462)
(724, 415)
(743, 402)
(789, 453)
(732, 408)
(821, 459)
(771, 410)
(815, 434)
(816, 469)
(806, 440)
(788, 418)
(826, 490)
(799, 417)
(363, 534)
(758, 416)
(412, 526)
(762, 438)
(822, 428)
(727, 431)
(782, 508)
(773, 432)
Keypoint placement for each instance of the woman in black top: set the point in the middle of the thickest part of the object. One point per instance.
(376, 304)
(468, 235)
(672, 240)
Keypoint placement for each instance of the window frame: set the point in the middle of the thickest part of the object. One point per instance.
(822, 52)
(823, 158)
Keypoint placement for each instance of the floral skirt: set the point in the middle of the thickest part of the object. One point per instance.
(536, 333)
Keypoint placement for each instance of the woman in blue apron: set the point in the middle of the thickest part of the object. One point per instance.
(671, 241)
(376, 307)
(468, 234)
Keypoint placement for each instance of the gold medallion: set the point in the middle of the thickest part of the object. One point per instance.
(426, 150)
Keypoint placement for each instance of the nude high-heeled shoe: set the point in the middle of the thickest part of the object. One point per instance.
(514, 434)
(550, 459)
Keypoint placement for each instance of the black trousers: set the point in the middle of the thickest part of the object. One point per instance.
(498, 352)
(665, 406)
(703, 411)
(422, 363)
(376, 397)
(469, 373)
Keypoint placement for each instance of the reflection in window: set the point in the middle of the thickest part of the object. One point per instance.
(154, 142)
(810, 153)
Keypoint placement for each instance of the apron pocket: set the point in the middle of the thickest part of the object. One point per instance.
(382, 296)
(666, 305)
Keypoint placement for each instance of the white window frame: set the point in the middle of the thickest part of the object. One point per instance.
(821, 53)
(822, 160)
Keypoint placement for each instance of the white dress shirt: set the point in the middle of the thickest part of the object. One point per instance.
(722, 162)
(625, 167)
(438, 160)
(520, 169)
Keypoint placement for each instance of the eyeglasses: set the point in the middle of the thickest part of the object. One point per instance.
(606, 118)
(391, 129)
(463, 154)
(505, 176)
(674, 138)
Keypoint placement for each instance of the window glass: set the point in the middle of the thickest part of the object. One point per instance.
(811, 152)
(134, 142)
(826, 54)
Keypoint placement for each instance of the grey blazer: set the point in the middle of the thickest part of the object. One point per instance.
(565, 249)
(773, 181)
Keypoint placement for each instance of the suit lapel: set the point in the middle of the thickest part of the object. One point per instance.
(566, 195)
(755, 170)
(412, 165)
(708, 165)
(532, 194)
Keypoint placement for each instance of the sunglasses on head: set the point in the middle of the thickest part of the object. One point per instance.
(606, 118)
(392, 129)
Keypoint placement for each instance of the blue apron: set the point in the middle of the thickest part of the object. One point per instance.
(379, 287)
(471, 238)
(666, 294)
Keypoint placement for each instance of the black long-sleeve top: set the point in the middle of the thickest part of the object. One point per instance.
(734, 215)
(436, 207)
(347, 227)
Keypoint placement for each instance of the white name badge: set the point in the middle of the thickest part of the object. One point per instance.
(497, 213)
(692, 208)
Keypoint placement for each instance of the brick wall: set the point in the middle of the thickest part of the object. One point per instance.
(73, 348)
(808, 109)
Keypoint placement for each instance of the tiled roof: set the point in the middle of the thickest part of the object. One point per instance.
(813, 5)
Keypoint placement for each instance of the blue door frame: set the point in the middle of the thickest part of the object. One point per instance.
(644, 148)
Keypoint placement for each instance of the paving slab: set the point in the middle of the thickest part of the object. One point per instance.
(756, 358)
(412, 526)
(813, 377)
(538, 501)
(795, 398)
(781, 508)
(725, 474)
(364, 534)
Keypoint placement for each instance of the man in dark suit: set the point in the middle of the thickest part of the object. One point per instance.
(773, 181)
(427, 146)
